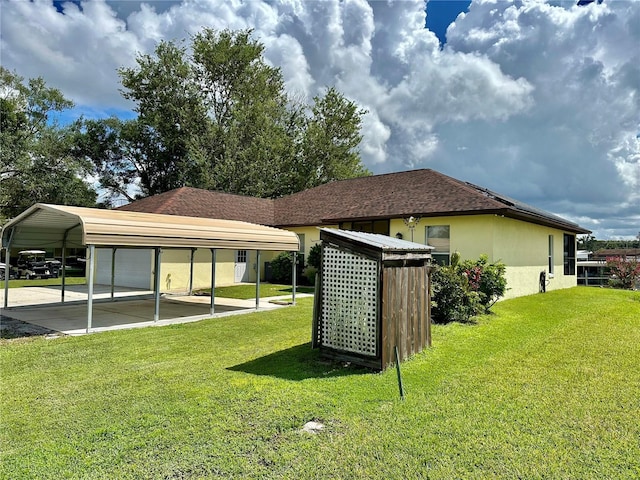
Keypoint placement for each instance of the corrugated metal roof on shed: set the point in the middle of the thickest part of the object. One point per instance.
(378, 241)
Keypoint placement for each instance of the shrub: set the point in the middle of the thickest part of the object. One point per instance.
(624, 273)
(314, 256)
(485, 278)
(462, 290)
(310, 274)
(452, 299)
(281, 268)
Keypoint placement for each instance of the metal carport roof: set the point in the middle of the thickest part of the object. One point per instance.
(45, 225)
(57, 226)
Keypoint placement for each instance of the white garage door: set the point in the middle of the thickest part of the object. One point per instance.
(133, 267)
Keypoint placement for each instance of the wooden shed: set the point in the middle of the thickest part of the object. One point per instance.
(373, 296)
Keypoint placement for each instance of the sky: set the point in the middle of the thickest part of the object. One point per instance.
(539, 101)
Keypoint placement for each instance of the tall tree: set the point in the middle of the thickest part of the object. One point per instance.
(331, 140)
(220, 118)
(36, 164)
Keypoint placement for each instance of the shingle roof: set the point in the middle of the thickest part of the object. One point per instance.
(421, 193)
(196, 202)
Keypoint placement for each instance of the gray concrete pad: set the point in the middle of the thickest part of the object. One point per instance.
(129, 309)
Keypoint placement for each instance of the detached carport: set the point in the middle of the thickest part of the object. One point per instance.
(57, 226)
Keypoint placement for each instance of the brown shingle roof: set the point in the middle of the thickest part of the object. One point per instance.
(417, 192)
(196, 202)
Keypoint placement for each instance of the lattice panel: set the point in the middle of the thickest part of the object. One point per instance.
(349, 292)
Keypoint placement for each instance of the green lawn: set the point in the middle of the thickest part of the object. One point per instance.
(546, 387)
(247, 291)
(44, 282)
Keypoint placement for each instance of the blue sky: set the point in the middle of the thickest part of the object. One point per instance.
(536, 100)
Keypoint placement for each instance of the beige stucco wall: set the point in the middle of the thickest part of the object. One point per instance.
(175, 264)
(522, 246)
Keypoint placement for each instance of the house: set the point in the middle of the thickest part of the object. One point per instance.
(423, 206)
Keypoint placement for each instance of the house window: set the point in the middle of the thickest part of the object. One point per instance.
(241, 256)
(438, 237)
(301, 238)
(569, 254)
(550, 255)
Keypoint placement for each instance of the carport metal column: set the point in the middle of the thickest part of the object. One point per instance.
(90, 266)
(257, 279)
(293, 277)
(193, 251)
(113, 271)
(64, 260)
(156, 283)
(213, 281)
(7, 268)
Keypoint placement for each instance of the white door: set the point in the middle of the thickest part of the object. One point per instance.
(241, 273)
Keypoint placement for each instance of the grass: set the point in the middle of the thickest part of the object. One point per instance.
(247, 291)
(546, 387)
(44, 282)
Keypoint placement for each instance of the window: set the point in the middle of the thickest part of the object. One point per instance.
(569, 254)
(438, 237)
(301, 238)
(550, 255)
(241, 256)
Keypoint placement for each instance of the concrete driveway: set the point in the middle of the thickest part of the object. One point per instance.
(129, 309)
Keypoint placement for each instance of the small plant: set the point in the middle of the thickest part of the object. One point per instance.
(281, 268)
(625, 273)
(314, 256)
(310, 274)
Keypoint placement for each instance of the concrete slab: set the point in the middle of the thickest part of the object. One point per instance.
(129, 309)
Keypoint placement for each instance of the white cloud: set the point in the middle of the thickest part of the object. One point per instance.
(535, 100)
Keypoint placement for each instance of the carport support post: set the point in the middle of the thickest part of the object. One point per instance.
(193, 251)
(113, 271)
(7, 268)
(156, 282)
(257, 279)
(293, 277)
(90, 265)
(213, 281)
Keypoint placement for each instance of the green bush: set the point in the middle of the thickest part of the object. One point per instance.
(281, 268)
(310, 274)
(314, 256)
(462, 290)
(452, 300)
(485, 278)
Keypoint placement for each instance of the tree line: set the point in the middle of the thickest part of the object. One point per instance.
(211, 113)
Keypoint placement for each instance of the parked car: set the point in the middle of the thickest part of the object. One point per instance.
(33, 264)
(2, 271)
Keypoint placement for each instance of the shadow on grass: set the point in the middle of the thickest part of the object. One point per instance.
(298, 363)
